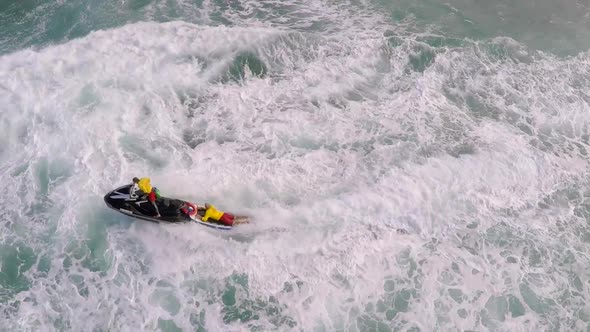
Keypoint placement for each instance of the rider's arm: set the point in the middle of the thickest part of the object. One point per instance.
(152, 198)
(156, 207)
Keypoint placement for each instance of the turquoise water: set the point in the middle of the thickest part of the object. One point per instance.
(334, 124)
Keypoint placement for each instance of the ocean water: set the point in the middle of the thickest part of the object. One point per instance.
(334, 124)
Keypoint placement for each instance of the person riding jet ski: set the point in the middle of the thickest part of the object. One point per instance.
(143, 187)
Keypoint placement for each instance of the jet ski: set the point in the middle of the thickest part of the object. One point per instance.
(171, 210)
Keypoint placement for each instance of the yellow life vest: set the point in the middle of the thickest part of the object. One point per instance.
(211, 212)
(145, 185)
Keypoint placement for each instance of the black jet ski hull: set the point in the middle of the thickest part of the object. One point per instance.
(121, 201)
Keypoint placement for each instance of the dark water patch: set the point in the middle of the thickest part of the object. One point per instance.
(47, 175)
(40, 23)
(238, 305)
(168, 325)
(15, 259)
(197, 320)
(42, 170)
(233, 5)
(545, 25)
(167, 300)
(12, 16)
(78, 281)
(440, 17)
(88, 99)
(294, 16)
(394, 41)
(338, 102)
(421, 58)
(137, 4)
(446, 141)
(481, 109)
(55, 23)
(368, 323)
(536, 303)
(194, 103)
(504, 49)
(218, 17)
(583, 210)
(441, 41)
(515, 306)
(91, 250)
(135, 148)
(69, 25)
(97, 258)
(18, 9)
(457, 295)
(43, 266)
(497, 308)
(461, 149)
(243, 64)
(194, 137)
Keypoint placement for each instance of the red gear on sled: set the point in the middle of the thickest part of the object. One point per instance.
(189, 209)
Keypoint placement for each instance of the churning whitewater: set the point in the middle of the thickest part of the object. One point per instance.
(334, 125)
